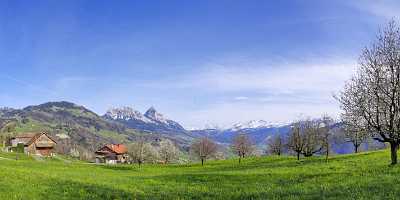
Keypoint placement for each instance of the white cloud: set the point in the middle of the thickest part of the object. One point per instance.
(226, 114)
(277, 92)
(382, 8)
(241, 98)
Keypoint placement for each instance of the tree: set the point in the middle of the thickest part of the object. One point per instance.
(326, 134)
(203, 149)
(168, 151)
(373, 94)
(242, 146)
(353, 131)
(275, 145)
(296, 142)
(305, 138)
(140, 152)
(311, 138)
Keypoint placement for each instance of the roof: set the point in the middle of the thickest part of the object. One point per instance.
(25, 135)
(116, 148)
(29, 138)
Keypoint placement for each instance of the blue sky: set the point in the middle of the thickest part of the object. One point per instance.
(198, 62)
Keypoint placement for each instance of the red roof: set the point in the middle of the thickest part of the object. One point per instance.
(117, 148)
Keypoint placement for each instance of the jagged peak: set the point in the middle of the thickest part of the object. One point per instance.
(125, 113)
(152, 113)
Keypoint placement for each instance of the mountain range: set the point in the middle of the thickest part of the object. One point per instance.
(75, 126)
(151, 121)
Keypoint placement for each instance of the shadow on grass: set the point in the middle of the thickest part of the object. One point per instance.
(284, 162)
(219, 186)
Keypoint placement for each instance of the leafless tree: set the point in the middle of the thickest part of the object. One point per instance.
(305, 138)
(275, 145)
(242, 145)
(311, 138)
(168, 151)
(354, 131)
(204, 149)
(296, 141)
(325, 134)
(373, 93)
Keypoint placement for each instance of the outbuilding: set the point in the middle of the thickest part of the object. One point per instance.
(34, 143)
(112, 154)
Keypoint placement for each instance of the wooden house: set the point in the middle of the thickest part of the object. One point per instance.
(112, 154)
(35, 143)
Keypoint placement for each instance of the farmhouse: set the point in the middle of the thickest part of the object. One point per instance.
(112, 154)
(34, 143)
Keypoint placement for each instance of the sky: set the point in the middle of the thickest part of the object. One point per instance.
(201, 63)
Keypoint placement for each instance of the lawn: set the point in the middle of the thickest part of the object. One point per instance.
(362, 176)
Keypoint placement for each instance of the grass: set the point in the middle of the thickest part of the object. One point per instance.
(362, 176)
(112, 135)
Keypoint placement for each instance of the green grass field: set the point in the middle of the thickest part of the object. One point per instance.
(362, 176)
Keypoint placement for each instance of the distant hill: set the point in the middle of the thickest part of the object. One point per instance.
(73, 126)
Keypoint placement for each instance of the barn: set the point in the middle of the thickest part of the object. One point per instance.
(35, 143)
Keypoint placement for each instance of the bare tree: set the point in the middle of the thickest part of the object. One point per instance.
(326, 134)
(275, 145)
(373, 93)
(203, 149)
(305, 138)
(242, 146)
(354, 131)
(311, 138)
(168, 151)
(296, 141)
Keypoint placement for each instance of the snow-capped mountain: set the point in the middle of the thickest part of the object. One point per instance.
(257, 130)
(125, 113)
(153, 115)
(151, 121)
(254, 124)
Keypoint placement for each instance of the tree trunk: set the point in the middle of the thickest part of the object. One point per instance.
(240, 158)
(355, 148)
(202, 162)
(327, 155)
(298, 155)
(393, 152)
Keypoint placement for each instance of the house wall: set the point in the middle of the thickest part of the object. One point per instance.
(31, 149)
(44, 141)
(16, 141)
(41, 146)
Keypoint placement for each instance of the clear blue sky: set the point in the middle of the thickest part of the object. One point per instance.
(198, 62)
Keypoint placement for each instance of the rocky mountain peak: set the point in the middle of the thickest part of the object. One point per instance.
(124, 113)
(152, 113)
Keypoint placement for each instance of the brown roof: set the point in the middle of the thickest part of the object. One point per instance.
(29, 138)
(25, 135)
(117, 148)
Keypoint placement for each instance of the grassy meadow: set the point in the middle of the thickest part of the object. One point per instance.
(362, 176)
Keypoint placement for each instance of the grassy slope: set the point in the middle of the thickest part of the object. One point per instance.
(363, 176)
